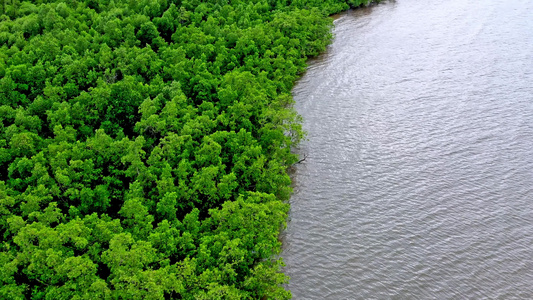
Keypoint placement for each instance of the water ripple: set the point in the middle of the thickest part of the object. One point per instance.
(419, 176)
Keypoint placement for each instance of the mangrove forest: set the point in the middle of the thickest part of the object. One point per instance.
(144, 145)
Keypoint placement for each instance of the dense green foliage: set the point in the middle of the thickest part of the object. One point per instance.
(144, 145)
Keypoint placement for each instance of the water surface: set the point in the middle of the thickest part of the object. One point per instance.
(419, 178)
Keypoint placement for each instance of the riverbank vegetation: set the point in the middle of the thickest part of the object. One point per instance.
(144, 145)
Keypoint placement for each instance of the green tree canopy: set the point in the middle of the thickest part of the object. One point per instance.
(144, 145)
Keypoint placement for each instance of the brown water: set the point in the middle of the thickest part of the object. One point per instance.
(419, 178)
